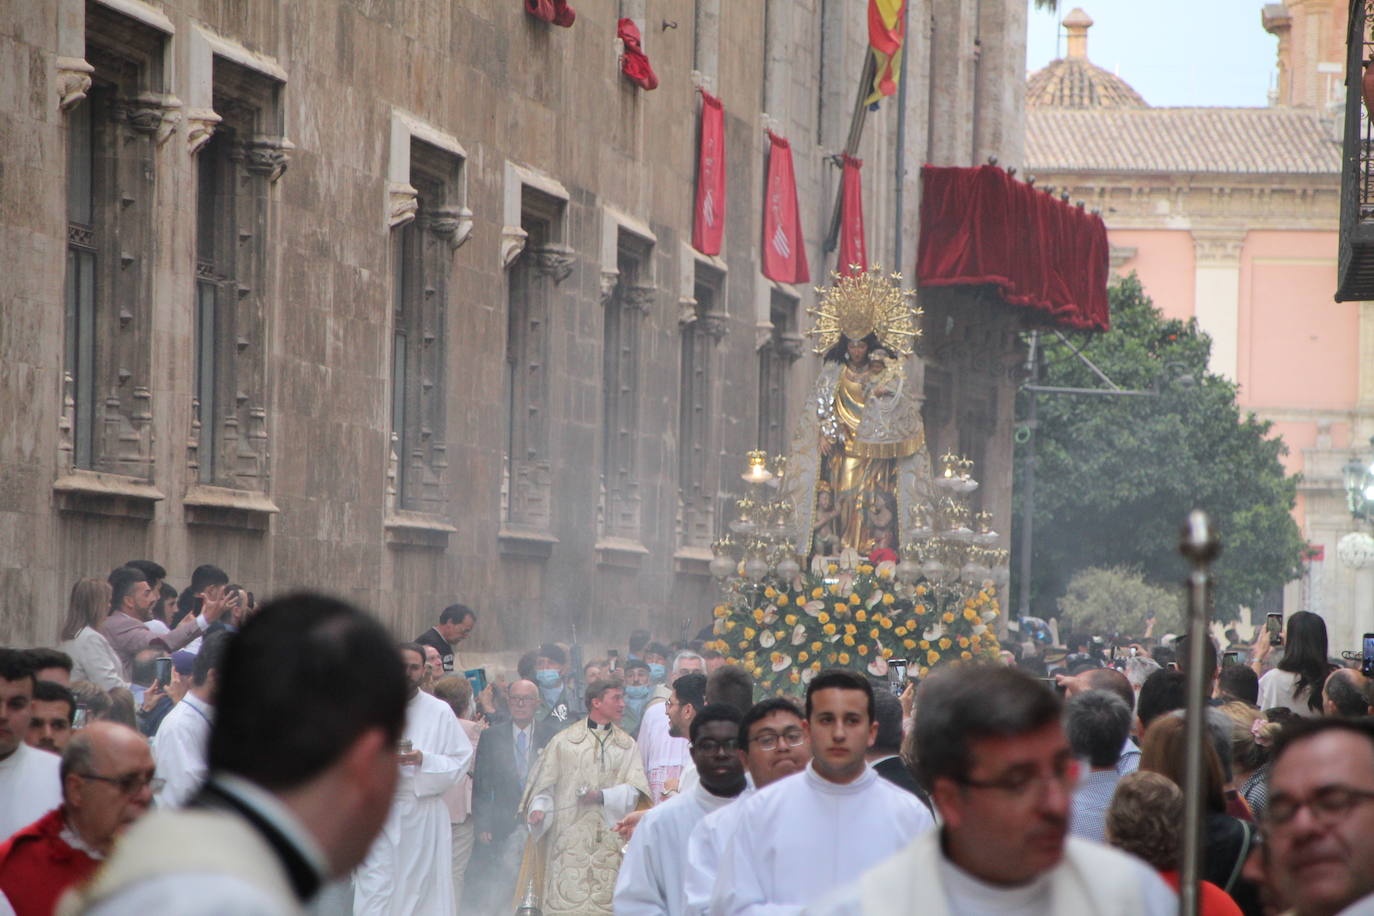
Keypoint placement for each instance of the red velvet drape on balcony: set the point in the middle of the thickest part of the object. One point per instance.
(981, 226)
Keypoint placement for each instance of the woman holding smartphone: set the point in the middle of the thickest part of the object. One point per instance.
(1295, 683)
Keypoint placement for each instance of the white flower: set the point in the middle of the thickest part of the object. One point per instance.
(766, 639)
(798, 634)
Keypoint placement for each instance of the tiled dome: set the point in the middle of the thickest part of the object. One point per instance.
(1076, 82)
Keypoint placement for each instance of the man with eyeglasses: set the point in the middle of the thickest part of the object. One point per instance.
(992, 753)
(801, 838)
(1319, 820)
(652, 879)
(772, 745)
(107, 784)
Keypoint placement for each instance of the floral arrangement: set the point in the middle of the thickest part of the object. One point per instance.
(851, 612)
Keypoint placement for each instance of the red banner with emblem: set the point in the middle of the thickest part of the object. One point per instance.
(708, 226)
(784, 251)
(853, 252)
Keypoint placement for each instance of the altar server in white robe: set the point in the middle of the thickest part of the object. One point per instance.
(806, 835)
(652, 878)
(992, 753)
(772, 745)
(408, 870)
(29, 783)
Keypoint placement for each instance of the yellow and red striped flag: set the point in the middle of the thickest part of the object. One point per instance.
(886, 32)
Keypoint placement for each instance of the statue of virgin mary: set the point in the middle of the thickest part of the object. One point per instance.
(858, 464)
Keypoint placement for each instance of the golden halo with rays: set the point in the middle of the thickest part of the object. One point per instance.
(863, 304)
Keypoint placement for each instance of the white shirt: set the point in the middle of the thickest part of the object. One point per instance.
(803, 836)
(1277, 688)
(29, 788)
(705, 846)
(652, 879)
(180, 749)
(664, 756)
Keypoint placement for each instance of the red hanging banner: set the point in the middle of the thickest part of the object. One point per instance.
(853, 252)
(556, 11)
(708, 227)
(634, 63)
(784, 252)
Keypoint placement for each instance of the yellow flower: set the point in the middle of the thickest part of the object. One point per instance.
(817, 646)
(945, 643)
(887, 653)
(970, 614)
(908, 643)
(920, 610)
(732, 661)
(873, 633)
(861, 615)
(803, 655)
(888, 599)
(721, 610)
(900, 631)
(948, 617)
(823, 617)
(924, 671)
(854, 598)
(770, 592)
(863, 650)
(848, 640)
(966, 655)
(832, 568)
(920, 590)
(817, 592)
(828, 629)
(816, 666)
(841, 609)
(783, 600)
(925, 644)
(775, 657)
(865, 568)
(844, 658)
(729, 625)
(963, 642)
(794, 677)
(976, 642)
(850, 629)
(744, 643)
(790, 620)
(932, 657)
(750, 632)
(780, 634)
(834, 588)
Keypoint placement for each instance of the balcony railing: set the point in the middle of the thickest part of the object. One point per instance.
(1356, 263)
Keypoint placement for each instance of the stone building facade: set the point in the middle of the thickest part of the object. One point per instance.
(1229, 216)
(396, 298)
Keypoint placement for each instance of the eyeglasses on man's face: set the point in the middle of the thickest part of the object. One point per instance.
(769, 741)
(1328, 804)
(130, 783)
(1023, 782)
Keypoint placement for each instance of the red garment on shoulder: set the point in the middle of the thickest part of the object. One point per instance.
(36, 866)
(1212, 900)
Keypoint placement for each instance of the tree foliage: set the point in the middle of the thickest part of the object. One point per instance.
(1116, 476)
(1119, 600)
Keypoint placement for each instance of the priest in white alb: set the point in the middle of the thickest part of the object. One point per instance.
(772, 745)
(653, 878)
(587, 779)
(803, 836)
(408, 870)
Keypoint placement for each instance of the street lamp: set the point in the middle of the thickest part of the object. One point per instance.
(1359, 487)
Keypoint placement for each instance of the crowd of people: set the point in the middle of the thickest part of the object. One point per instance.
(190, 750)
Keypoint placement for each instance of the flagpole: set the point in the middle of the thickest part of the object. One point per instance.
(851, 147)
(901, 146)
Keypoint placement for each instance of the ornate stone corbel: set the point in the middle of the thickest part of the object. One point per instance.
(791, 347)
(268, 156)
(512, 243)
(402, 202)
(453, 224)
(555, 261)
(150, 113)
(640, 298)
(73, 81)
(686, 312)
(200, 127)
(609, 279)
(714, 325)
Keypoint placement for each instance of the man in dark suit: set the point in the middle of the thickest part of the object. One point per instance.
(885, 754)
(505, 756)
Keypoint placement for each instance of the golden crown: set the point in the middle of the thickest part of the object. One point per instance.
(863, 304)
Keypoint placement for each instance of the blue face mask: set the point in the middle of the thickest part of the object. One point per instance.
(657, 672)
(639, 691)
(548, 677)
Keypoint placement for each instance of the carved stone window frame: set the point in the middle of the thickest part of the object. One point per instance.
(617, 544)
(251, 89)
(773, 343)
(530, 198)
(449, 222)
(106, 459)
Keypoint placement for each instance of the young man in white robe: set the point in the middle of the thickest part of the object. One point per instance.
(29, 783)
(408, 871)
(663, 746)
(806, 835)
(772, 745)
(652, 880)
(991, 751)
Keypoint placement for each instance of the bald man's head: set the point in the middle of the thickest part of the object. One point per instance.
(1111, 680)
(1346, 693)
(107, 782)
